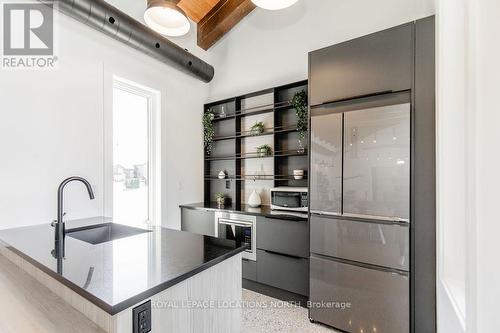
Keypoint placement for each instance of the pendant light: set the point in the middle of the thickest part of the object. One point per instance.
(166, 18)
(274, 4)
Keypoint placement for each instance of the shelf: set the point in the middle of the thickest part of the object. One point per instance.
(273, 106)
(281, 153)
(267, 107)
(241, 135)
(287, 129)
(253, 111)
(247, 134)
(289, 105)
(256, 178)
(287, 153)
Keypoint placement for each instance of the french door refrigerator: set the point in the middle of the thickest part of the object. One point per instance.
(360, 208)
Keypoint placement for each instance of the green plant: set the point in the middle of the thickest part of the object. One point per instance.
(208, 131)
(220, 196)
(264, 150)
(257, 128)
(299, 102)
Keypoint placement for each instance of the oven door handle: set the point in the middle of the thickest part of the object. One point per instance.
(239, 223)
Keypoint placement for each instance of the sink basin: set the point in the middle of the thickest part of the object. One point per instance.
(102, 233)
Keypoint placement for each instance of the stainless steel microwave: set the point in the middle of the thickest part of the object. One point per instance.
(290, 198)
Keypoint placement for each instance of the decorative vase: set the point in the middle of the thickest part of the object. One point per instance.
(298, 174)
(301, 148)
(254, 199)
(222, 174)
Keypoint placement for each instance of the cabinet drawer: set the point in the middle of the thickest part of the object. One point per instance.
(379, 300)
(198, 221)
(376, 63)
(283, 236)
(249, 270)
(284, 272)
(374, 243)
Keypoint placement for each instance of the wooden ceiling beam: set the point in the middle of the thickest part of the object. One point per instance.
(197, 9)
(222, 18)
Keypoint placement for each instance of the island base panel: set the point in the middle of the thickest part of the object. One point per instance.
(206, 302)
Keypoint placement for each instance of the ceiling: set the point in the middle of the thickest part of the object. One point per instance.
(214, 18)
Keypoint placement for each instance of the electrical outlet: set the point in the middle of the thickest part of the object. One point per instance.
(141, 316)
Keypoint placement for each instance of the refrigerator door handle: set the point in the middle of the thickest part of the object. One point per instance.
(320, 212)
(396, 220)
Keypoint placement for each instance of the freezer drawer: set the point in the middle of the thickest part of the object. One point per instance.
(362, 299)
(284, 272)
(374, 243)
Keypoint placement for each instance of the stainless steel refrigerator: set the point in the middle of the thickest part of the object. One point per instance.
(360, 208)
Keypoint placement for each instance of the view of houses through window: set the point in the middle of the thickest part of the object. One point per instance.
(131, 113)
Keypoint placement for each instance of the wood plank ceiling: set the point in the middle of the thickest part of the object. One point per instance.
(214, 18)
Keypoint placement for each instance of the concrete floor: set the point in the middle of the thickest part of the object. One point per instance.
(263, 314)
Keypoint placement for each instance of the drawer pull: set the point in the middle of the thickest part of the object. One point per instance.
(283, 254)
(391, 271)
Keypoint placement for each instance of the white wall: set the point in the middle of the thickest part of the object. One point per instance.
(468, 117)
(270, 48)
(452, 166)
(485, 49)
(52, 127)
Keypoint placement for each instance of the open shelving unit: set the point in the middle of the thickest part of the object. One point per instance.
(234, 146)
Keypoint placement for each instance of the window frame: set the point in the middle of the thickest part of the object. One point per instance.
(154, 144)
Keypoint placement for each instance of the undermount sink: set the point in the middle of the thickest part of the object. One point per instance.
(102, 233)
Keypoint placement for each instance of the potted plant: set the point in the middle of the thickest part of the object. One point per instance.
(299, 102)
(264, 150)
(208, 131)
(257, 128)
(221, 199)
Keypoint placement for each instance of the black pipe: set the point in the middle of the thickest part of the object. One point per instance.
(109, 20)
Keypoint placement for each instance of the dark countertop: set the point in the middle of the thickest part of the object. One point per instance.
(265, 211)
(118, 274)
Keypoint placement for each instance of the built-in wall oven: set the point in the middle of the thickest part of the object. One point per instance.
(239, 228)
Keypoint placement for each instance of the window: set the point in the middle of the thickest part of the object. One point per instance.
(135, 154)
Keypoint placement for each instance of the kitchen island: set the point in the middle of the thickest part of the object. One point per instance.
(170, 280)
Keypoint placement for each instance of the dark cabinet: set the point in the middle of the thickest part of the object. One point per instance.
(380, 62)
(367, 256)
(283, 272)
(282, 249)
(289, 237)
(198, 221)
(249, 269)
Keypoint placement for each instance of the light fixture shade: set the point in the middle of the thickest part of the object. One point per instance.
(274, 4)
(166, 18)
